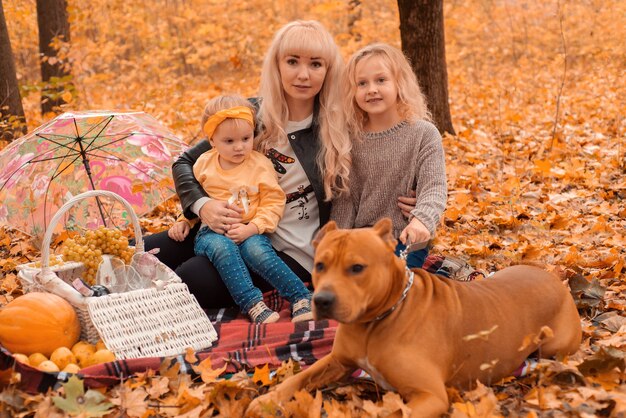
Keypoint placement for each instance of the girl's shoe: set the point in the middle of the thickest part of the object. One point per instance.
(301, 311)
(261, 314)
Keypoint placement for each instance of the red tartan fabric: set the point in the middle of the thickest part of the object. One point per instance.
(241, 345)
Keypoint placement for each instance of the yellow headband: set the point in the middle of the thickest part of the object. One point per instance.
(238, 112)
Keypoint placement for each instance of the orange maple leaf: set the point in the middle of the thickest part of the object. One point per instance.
(169, 368)
(206, 372)
(543, 166)
(190, 355)
(262, 376)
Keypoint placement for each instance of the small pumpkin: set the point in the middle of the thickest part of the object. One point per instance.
(35, 359)
(102, 356)
(22, 358)
(38, 322)
(48, 366)
(62, 356)
(83, 351)
(71, 368)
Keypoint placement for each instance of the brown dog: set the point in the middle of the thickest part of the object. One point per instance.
(418, 338)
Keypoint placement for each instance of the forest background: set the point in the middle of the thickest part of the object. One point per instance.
(535, 170)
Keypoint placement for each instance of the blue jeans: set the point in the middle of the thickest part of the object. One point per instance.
(257, 254)
(414, 259)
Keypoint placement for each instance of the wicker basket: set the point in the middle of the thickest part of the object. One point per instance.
(66, 270)
(159, 321)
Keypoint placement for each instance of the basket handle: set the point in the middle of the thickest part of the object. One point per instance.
(45, 246)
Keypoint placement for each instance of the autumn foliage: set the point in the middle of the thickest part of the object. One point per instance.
(537, 171)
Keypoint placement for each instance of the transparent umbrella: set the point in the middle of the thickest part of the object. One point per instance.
(129, 153)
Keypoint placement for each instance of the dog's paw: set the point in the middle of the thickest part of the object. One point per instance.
(263, 406)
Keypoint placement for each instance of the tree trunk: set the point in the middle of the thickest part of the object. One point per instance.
(12, 118)
(354, 15)
(53, 23)
(423, 42)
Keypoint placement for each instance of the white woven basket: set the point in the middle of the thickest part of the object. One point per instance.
(66, 270)
(159, 321)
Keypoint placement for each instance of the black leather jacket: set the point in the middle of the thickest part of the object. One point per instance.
(305, 144)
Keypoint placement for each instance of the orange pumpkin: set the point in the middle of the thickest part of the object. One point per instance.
(38, 322)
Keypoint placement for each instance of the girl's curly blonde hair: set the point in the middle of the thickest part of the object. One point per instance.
(411, 101)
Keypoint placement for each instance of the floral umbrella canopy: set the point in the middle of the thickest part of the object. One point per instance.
(128, 153)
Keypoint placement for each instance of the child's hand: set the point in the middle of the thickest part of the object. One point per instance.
(241, 232)
(179, 231)
(407, 204)
(414, 232)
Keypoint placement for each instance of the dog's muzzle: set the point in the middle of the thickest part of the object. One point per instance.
(324, 302)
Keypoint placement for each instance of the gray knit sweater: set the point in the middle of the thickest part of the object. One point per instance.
(389, 164)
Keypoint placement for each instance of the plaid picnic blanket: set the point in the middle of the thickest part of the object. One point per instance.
(241, 346)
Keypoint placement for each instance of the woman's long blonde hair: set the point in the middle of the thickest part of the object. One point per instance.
(312, 39)
(411, 101)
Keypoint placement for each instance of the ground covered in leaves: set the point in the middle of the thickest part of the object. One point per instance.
(536, 173)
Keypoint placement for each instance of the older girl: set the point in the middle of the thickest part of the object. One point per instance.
(395, 149)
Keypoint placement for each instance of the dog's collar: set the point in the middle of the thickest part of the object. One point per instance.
(404, 293)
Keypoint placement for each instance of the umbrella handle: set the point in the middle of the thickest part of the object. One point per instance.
(45, 246)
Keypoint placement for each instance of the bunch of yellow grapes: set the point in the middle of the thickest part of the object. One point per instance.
(53, 260)
(90, 247)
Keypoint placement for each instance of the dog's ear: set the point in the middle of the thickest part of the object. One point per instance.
(383, 229)
(330, 226)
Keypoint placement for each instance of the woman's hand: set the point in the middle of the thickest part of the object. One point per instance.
(241, 232)
(179, 231)
(407, 203)
(414, 232)
(219, 215)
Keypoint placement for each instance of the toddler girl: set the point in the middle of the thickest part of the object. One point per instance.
(232, 171)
